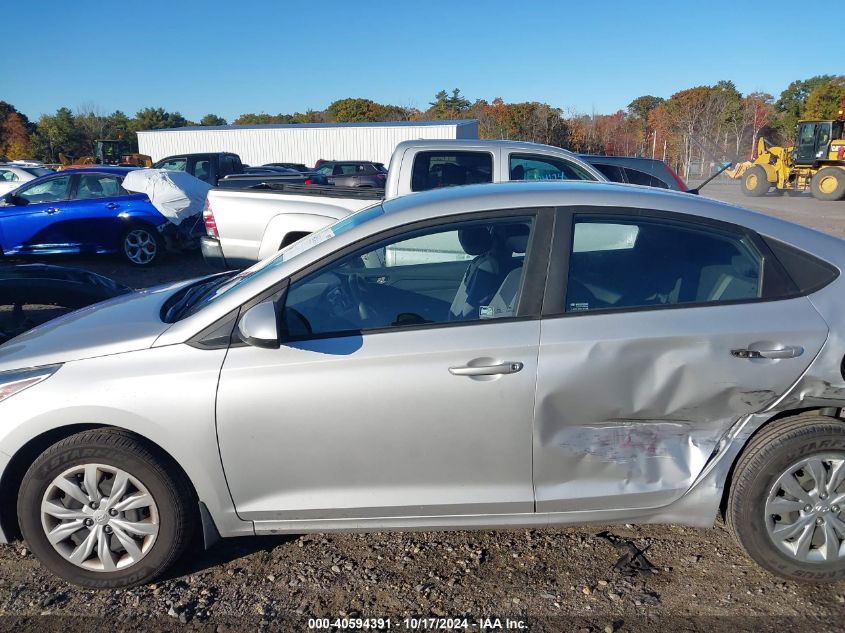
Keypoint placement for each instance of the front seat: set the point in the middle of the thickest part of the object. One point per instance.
(90, 188)
(504, 301)
(485, 272)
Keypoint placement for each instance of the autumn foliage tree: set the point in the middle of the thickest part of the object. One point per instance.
(696, 129)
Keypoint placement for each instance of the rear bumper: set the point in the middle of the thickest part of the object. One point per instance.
(212, 253)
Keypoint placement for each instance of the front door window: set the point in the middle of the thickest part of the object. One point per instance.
(470, 271)
(51, 190)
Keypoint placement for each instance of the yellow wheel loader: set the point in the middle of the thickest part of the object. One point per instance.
(816, 163)
(107, 152)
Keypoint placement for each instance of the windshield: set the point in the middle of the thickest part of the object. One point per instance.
(340, 227)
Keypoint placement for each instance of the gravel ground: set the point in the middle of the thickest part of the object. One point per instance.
(548, 580)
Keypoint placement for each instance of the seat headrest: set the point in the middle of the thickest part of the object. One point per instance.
(513, 237)
(475, 240)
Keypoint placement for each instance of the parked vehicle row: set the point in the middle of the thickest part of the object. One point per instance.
(87, 210)
(246, 226)
(270, 206)
(225, 169)
(13, 176)
(513, 354)
(353, 173)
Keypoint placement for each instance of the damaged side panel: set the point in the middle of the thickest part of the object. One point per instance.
(631, 406)
(823, 385)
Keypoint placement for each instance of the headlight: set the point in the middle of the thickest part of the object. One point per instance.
(11, 382)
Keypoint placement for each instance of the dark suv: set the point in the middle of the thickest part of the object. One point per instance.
(635, 170)
(353, 173)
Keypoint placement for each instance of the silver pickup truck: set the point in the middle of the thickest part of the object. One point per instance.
(246, 226)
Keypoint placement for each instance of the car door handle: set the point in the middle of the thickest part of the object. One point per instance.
(790, 351)
(486, 370)
(112, 205)
(52, 210)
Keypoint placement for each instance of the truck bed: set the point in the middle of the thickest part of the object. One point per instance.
(279, 186)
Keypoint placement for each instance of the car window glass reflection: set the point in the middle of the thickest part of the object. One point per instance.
(628, 264)
(466, 272)
(46, 191)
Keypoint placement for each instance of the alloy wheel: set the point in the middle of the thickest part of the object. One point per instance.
(99, 517)
(805, 509)
(140, 246)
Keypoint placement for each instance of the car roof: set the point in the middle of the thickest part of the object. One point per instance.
(347, 162)
(620, 160)
(93, 169)
(469, 144)
(583, 193)
(193, 154)
(101, 169)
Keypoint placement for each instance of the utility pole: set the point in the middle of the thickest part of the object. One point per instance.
(664, 151)
(653, 142)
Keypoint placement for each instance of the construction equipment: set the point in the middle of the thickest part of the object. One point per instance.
(107, 152)
(816, 162)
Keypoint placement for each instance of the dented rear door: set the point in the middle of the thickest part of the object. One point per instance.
(632, 401)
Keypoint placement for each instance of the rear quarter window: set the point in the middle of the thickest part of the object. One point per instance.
(612, 172)
(809, 273)
(637, 177)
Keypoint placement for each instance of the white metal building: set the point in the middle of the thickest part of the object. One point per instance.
(301, 143)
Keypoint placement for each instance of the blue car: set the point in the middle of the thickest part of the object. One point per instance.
(84, 210)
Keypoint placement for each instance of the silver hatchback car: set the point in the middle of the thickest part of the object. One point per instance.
(514, 355)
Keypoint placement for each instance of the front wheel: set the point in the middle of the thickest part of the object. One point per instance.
(141, 245)
(755, 182)
(101, 509)
(786, 506)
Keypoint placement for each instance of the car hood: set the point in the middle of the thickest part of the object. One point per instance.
(123, 324)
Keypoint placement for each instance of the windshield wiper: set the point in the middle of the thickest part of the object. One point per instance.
(193, 296)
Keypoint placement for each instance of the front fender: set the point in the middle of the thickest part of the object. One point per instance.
(165, 395)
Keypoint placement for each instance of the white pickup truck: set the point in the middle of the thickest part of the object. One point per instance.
(246, 226)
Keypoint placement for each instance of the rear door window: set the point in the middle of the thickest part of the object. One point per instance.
(624, 263)
(538, 167)
(202, 169)
(436, 169)
(98, 186)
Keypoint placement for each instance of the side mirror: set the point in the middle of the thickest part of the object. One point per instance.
(259, 327)
(15, 201)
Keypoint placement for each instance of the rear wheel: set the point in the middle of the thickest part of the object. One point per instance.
(786, 506)
(100, 509)
(141, 245)
(828, 184)
(755, 182)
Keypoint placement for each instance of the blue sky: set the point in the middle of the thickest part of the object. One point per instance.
(229, 58)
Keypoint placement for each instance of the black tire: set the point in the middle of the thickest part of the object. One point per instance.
(169, 489)
(767, 456)
(828, 184)
(131, 249)
(755, 183)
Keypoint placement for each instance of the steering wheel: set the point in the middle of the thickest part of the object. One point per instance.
(350, 299)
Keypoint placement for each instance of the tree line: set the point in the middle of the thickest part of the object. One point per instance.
(693, 129)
